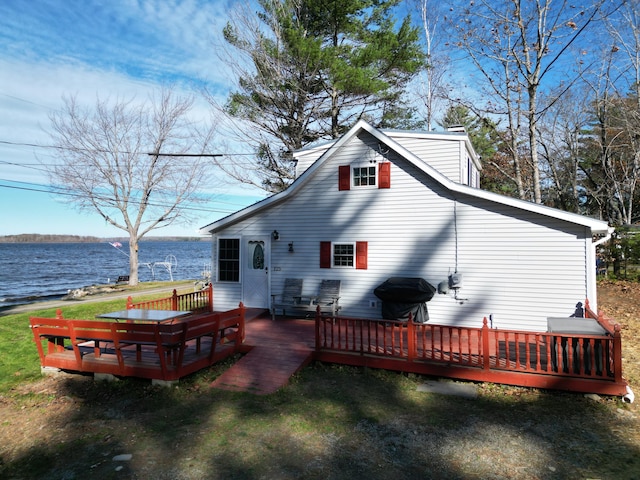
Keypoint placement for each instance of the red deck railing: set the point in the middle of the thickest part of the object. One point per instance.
(158, 351)
(200, 301)
(584, 363)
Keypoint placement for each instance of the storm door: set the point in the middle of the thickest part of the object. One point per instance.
(255, 285)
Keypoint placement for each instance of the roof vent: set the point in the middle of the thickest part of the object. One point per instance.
(456, 128)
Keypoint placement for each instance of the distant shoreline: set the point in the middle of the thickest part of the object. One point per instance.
(46, 238)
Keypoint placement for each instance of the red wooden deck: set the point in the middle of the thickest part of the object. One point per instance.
(276, 350)
(579, 363)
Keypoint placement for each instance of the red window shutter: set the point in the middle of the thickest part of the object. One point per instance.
(344, 177)
(384, 175)
(325, 254)
(362, 249)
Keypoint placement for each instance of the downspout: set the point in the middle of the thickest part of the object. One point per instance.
(591, 284)
(629, 397)
(606, 238)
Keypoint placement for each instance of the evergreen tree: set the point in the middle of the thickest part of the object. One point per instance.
(315, 68)
(489, 144)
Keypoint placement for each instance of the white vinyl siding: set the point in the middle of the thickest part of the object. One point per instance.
(305, 158)
(518, 267)
(442, 152)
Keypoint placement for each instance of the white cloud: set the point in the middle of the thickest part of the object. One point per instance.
(122, 48)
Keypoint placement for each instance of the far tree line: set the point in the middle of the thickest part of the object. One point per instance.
(548, 90)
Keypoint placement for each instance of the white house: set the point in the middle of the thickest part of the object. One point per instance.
(376, 204)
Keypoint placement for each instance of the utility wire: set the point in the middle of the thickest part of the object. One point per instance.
(56, 191)
(98, 150)
(53, 189)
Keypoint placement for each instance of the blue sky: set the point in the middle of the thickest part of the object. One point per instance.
(90, 48)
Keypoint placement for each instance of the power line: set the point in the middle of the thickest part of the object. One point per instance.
(98, 150)
(52, 190)
(160, 154)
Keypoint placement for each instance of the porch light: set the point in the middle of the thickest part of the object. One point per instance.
(275, 235)
(291, 247)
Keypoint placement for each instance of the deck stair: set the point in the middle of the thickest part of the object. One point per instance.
(277, 351)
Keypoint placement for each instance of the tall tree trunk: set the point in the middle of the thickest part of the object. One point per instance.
(133, 260)
(533, 145)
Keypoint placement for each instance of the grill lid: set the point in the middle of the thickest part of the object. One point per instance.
(405, 290)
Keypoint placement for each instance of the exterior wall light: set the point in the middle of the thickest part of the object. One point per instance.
(275, 235)
(291, 247)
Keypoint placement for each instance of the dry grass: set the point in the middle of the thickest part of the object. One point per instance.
(331, 422)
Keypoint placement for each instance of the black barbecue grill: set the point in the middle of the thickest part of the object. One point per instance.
(403, 295)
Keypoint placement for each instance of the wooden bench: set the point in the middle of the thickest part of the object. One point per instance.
(54, 333)
(232, 326)
(163, 351)
(90, 336)
(122, 279)
(163, 344)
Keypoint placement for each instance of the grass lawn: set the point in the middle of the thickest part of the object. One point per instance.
(330, 422)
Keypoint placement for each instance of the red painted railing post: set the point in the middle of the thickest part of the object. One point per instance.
(486, 357)
(129, 303)
(174, 300)
(241, 329)
(617, 354)
(318, 318)
(411, 339)
(210, 295)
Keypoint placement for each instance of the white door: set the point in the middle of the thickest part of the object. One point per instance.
(255, 283)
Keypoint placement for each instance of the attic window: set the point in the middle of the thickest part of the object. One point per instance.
(364, 176)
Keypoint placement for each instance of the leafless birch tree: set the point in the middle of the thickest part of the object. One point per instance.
(432, 84)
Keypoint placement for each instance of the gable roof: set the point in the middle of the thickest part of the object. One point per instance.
(456, 135)
(596, 226)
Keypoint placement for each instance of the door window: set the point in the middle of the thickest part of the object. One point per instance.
(257, 257)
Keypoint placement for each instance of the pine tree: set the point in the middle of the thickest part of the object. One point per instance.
(317, 68)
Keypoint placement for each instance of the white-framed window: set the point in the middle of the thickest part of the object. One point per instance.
(343, 255)
(255, 258)
(365, 176)
(229, 259)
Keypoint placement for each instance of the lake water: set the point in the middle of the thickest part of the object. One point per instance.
(31, 272)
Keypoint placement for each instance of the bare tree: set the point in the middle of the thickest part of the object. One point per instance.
(560, 134)
(432, 84)
(626, 36)
(515, 45)
(132, 163)
(611, 150)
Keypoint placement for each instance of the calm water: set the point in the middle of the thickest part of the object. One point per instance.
(45, 271)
